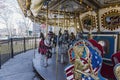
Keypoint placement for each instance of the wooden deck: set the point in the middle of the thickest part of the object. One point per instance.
(49, 73)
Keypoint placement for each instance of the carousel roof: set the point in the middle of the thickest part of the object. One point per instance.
(37, 10)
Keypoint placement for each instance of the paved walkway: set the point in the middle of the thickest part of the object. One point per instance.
(19, 68)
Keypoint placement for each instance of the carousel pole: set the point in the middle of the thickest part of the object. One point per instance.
(75, 22)
(69, 21)
(57, 43)
(64, 20)
(90, 31)
(55, 24)
(80, 25)
(35, 39)
(47, 19)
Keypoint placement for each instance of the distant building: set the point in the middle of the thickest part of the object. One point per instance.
(36, 29)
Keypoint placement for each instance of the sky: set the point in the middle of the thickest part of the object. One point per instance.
(16, 15)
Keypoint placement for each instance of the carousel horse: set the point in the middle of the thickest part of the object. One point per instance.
(107, 70)
(85, 62)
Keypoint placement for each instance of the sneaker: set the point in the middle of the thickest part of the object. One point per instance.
(45, 65)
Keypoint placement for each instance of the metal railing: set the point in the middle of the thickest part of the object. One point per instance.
(11, 47)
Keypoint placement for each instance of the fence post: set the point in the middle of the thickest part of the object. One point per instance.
(0, 57)
(24, 45)
(12, 52)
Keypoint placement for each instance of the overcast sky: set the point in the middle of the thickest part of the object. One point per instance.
(16, 12)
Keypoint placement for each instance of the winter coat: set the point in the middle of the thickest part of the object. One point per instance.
(43, 47)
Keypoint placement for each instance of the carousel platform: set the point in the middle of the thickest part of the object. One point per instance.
(52, 72)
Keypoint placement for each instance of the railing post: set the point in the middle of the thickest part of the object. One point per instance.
(12, 52)
(24, 45)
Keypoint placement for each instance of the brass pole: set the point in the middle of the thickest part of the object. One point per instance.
(55, 24)
(64, 21)
(118, 45)
(69, 20)
(75, 22)
(47, 19)
(57, 44)
(66, 24)
(80, 25)
(35, 39)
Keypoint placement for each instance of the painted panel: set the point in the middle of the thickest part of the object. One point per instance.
(107, 40)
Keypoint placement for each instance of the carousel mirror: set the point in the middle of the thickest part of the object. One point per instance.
(89, 22)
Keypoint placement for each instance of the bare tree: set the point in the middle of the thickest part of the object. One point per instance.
(26, 22)
(6, 17)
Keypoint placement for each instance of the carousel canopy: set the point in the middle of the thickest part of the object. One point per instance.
(42, 10)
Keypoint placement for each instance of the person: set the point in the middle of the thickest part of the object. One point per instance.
(54, 43)
(60, 33)
(60, 38)
(64, 45)
(79, 36)
(44, 46)
(72, 39)
(41, 35)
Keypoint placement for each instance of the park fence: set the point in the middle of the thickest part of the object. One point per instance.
(11, 47)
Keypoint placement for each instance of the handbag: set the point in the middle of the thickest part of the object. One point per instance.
(49, 54)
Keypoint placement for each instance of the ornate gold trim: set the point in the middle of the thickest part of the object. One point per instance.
(109, 20)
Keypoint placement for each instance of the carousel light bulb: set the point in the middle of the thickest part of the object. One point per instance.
(80, 1)
(87, 7)
(116, 5)
(91, 8)
(110, 7)
(106, 8)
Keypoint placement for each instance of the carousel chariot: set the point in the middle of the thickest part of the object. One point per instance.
(85, 62)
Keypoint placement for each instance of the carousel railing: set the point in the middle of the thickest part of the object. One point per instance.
(11, 47)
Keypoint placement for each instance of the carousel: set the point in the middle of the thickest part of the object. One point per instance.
(95, 55)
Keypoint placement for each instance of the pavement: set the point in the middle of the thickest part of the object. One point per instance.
(19, 68)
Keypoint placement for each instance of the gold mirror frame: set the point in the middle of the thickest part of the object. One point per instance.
(89, 22)
(111, 20)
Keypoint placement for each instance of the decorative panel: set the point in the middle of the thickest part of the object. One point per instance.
(111, 20)
(109, 42)
(89, 22)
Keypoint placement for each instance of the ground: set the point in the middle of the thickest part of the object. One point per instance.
(19, 68)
